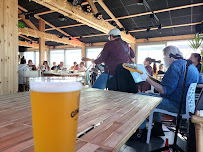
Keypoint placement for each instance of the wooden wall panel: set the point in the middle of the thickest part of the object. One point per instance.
(9, 46)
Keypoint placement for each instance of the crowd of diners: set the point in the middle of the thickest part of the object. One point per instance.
(29, 66)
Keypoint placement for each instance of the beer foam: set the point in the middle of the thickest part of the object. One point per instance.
(54, 84)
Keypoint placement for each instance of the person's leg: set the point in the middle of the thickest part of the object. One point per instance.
(100, 83)
(164, 105)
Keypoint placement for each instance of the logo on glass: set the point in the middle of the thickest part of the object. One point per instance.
(74, 113)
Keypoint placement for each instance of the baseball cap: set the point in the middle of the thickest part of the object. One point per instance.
(114, 32)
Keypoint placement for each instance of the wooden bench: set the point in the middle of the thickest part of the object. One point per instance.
(107, 119)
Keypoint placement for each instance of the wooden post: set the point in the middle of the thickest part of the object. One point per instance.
(41, 43)
(47, 55)
(83, 51)
(8, 46)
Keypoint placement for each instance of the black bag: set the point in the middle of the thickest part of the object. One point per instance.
(122, 81)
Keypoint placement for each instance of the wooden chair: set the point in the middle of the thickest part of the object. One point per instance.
(190, 108)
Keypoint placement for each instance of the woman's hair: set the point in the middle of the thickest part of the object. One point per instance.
(23, 60)
(149, 60)
(198, 56)
(45, 62)
(160, 66)
(82, 63)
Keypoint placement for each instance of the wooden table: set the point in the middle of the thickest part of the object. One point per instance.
(63, 74)
(111, 116)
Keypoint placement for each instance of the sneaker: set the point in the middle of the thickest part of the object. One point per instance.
(157, 130)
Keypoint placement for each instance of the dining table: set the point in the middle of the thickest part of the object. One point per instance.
(107, 119)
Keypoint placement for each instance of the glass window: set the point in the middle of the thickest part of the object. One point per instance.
(37, 59)
(72, 56)
(152, 51)
(184, 47)
(36, 62)
(29, 56)
(93, 53)
(56, 56)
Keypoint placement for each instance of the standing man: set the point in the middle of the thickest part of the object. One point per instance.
(113, 54)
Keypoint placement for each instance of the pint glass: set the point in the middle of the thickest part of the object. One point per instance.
(55, 107)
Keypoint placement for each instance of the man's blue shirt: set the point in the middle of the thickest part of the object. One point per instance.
(172, 81)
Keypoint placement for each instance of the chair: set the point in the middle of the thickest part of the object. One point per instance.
(29, 74)
(190, 108)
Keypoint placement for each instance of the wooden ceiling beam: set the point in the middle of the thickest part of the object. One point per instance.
(156, 39)
(26, 38)
(62, 47)
(28, 44)
(167, 38)
(93, 7)
(76, 13)
(141, 30)
(55, 28)
(43, 13)
(67, 26)
(49, 37)
(39, 18)
(140, 14)
(160, 11)
(28, 22)
(23, 9)
(166, 27)
(85, 3)
(103, 5)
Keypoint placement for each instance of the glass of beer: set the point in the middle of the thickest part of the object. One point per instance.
(55, 110)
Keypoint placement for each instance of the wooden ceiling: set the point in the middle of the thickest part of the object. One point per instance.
(177, 17)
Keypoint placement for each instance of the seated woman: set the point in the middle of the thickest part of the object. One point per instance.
(161, 67)
(74, 65)
(144, 86)
(31, 65)
(82, 67)
(45, 67)
(196, 60)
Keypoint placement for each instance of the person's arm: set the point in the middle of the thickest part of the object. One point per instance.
(157, 86)
(169, 82)
(104, 54)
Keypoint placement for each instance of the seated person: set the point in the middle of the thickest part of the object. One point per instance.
(45, 67)
(144, 86)
(82, 67)
(30, 64)
(22, 67)
(196, 60)
(171, 86)
(74, 65)
(54, 66)
(60, 66)
(161, 67)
